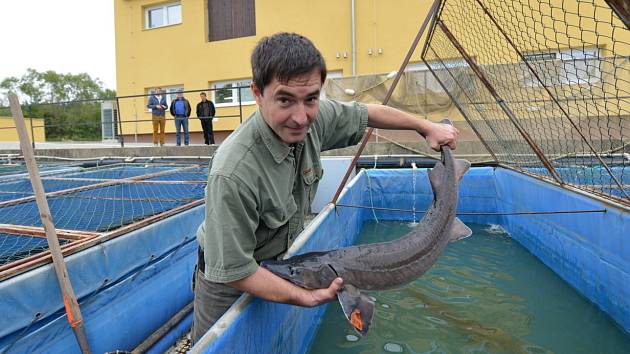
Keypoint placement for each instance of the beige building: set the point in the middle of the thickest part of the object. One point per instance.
(195, 44)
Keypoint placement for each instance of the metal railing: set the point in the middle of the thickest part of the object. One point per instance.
(82, 120)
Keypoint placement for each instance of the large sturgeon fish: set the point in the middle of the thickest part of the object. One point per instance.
(384, 265)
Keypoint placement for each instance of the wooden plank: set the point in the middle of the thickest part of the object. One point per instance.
(69, 298)
(40, 232)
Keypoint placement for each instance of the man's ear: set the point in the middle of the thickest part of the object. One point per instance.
(257, 93)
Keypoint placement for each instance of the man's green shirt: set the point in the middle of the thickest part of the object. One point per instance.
(259, 189)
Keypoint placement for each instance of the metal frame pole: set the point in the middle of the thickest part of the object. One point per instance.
(366, 137)
(120, 131)
(530, 141)
(240, 105)
(553, 98)
(69, 298)
(461, 110)
(30, 116)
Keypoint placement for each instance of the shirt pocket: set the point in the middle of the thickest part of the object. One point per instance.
(311, 180)
(275, 218)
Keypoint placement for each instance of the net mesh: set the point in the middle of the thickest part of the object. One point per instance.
(14, 247)
(544, 83)
(88, 202)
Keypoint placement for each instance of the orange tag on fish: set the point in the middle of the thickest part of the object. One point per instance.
(355, 319)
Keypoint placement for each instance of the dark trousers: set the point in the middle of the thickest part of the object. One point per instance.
(208, 134)
(210, 302)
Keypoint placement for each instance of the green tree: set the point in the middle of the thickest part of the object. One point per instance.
(69, 103)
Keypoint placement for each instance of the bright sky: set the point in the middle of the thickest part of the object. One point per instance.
(67, 36)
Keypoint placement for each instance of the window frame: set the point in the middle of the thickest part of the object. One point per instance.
(565, 57)
(234, 97)
(164, 7)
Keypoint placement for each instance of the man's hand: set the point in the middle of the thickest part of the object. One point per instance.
(440, 134)
(271, 287)
(436, 134)
(321, 296)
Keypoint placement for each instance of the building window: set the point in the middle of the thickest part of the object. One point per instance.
(231, 19)
(565, 67)
(163, 15)
(227, 93)
(169, 91)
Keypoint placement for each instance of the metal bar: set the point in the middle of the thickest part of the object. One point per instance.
(367, 135)
(622, 9)
(69, 298)
(240, 106)
(163, 330)
(30, 116)
(553, 97)
(149, 94)
(501, 102)
(461, 110)
(483, 212)
(120, 132)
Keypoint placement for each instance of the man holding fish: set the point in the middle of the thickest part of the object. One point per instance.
(263, 178)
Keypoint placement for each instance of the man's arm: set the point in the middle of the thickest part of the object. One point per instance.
(151, 104)
(270, 287)
(436, 134)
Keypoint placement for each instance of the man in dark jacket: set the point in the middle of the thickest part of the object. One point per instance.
(180, 109)
(205, 113)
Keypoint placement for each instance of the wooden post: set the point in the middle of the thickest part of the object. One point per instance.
(69, 299)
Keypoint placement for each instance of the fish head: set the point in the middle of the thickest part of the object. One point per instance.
(307, 272)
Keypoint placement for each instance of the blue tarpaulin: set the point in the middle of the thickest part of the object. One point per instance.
(589, 251)
(129, 286)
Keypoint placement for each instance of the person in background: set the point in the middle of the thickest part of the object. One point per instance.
(205, 113)
(180, 109)
(158, 106)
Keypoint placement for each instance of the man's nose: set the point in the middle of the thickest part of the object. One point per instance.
(299, 115)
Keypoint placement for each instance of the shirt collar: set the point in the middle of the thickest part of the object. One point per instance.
(278, 149)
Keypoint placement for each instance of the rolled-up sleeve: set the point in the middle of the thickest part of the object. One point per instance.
(228, 233)
(341, 124)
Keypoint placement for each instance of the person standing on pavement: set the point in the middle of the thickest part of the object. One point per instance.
(180, 109)
(158, 106)
(205, 113)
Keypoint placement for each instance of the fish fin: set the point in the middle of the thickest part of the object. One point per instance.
(461, 167)
(357, 307)
(436, 176)
(458, 230)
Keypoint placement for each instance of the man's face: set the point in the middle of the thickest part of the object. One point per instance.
(180, 95)
(291, 107)
(203, 97)
(158, 91)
